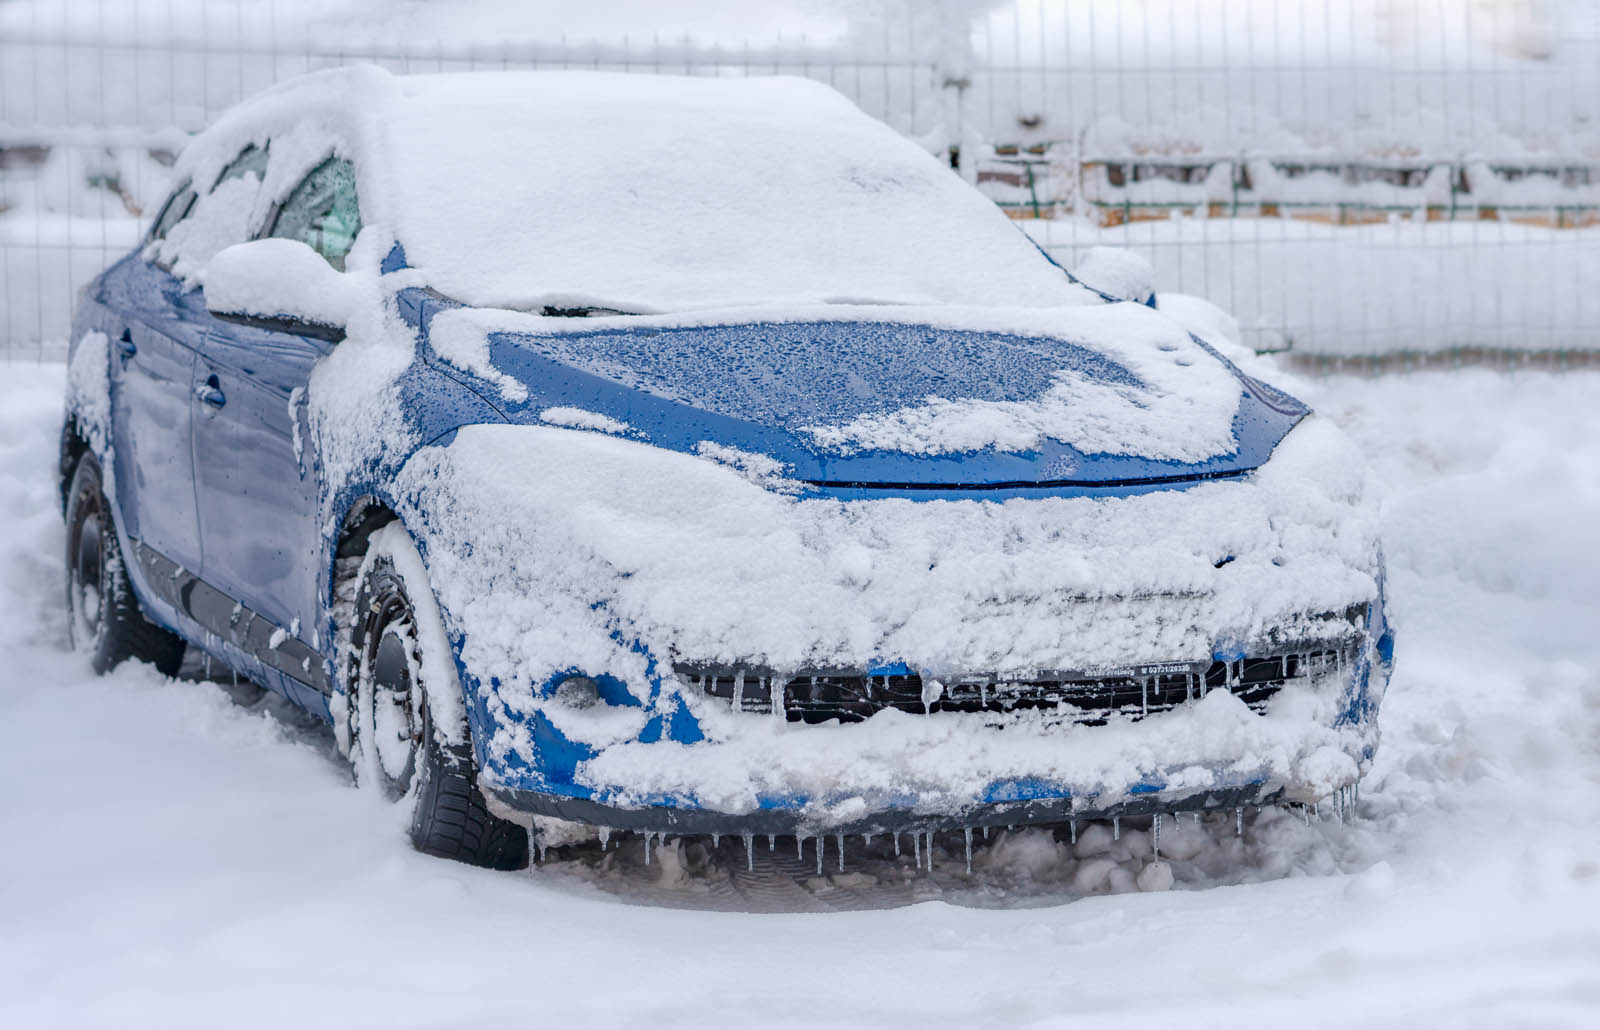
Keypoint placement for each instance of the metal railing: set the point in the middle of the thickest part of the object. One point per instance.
(1396, 177)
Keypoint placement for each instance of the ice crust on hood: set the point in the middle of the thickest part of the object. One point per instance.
(1106, 379)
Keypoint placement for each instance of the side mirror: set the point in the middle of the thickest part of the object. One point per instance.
(280, 284)
(1117, 274)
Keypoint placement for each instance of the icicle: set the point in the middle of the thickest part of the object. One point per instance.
(866, 840)
(1072, 828)
(1155, 836)
(605, 837)
(1116, 827)
(822, 842)
(916, 845)
(749, 851)
(1144, 696)
(799, 847)
(736, 701)
(647, 849)
(1238, 821)
(772, 842)
(967, 833)
(986, 834)
(839, 838)
(929, 851)
(716, 841)
(897, 844)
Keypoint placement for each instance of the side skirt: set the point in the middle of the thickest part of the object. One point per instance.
(234, 633)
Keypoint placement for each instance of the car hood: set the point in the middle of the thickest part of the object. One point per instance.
(888, 398)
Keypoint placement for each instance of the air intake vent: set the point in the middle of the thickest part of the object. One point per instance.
(1130, 693)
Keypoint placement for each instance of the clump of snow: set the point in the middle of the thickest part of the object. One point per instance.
(758, 468)
(455, 337)
(547, 546)
(88, 394)
(280, 277)
(1116, 272)
(220, 219)
(578, 418)
(644, 188)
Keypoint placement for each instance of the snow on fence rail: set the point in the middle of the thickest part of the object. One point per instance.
(1367, 178)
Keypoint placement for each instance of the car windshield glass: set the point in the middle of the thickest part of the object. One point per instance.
(650, 194)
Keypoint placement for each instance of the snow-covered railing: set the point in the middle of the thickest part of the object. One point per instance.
(1044, 180)
(1342, 181)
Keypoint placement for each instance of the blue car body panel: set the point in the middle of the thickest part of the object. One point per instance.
(680, 387)
(216, 471)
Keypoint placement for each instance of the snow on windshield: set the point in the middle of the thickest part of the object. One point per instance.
(647, 193)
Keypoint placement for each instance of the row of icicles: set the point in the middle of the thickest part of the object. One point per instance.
(1341, 804)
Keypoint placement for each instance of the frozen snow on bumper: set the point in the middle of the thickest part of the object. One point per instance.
(558, 554)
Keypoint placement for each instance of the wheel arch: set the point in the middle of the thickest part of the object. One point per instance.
(74, 445)
(365, 517)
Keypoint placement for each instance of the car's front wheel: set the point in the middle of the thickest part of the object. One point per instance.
(103, 615)
(401, 684)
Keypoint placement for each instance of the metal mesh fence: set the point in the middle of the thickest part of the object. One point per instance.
(1379, 177)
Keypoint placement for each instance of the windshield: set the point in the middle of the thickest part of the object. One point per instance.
(576, 191)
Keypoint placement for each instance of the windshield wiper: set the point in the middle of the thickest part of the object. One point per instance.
(580, 311)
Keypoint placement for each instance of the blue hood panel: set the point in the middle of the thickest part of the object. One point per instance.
(755, 386)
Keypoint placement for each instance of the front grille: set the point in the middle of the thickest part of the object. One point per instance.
(1089, 698)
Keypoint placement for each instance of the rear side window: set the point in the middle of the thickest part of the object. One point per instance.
(175, 210)
(251, 160)
(322, 212)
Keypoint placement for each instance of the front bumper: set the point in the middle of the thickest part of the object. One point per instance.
(1310, 738)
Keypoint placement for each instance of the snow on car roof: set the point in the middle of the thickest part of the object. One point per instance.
(655, 193)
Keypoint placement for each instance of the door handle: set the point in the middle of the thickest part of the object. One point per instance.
(126, 345)
(210, 392)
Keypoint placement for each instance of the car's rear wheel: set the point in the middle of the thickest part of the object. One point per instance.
(103, 615)
(396, 744)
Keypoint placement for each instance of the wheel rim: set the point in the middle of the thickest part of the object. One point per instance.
(86, 591)
(395, 717)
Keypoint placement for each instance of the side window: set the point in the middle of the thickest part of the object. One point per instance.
(322, 212)
(251, 159)
(176, 210)
(192, 230)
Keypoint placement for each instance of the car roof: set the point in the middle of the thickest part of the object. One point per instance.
(640, 192)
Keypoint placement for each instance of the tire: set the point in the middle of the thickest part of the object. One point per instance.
(395, 744)
(103, 615)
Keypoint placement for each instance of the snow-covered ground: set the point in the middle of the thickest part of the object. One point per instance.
(181, 853)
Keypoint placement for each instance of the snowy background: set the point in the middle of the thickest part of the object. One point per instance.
(190, 853)
(1349, 178)
(176, 849)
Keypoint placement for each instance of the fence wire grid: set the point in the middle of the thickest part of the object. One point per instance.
(1378, 178)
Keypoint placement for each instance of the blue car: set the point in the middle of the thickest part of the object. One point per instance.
(672, 455)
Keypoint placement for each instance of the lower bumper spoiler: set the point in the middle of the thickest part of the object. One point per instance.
(799, 821)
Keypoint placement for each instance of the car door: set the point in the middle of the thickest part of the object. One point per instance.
(254, 477)
(152, 376)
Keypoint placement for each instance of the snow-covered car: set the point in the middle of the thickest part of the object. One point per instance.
(700, 456)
